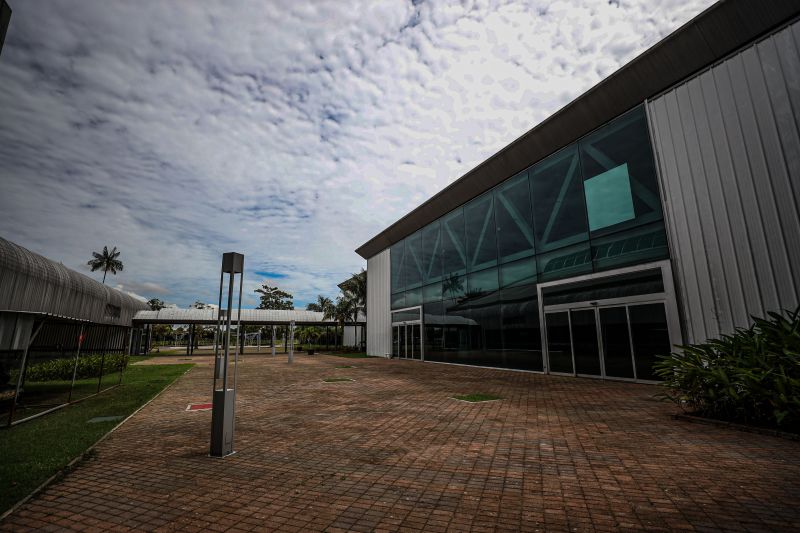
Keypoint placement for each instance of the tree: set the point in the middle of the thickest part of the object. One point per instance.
(200, 305)
(274, 298)
(155, 304)
(355, 290)
(343, 311)
(106, 261)
(322, 304)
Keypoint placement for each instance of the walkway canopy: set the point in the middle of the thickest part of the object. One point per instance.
(260, 317)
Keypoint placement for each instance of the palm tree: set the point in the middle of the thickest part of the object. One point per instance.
(355, 290)
(322, 304)
(106, 261)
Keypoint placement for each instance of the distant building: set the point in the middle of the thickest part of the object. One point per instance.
(660, 207)
(5, 18)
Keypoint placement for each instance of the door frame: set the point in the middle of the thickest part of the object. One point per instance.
(406, 325)
(667, 297)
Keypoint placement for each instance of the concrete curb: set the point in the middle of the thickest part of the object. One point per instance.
(69, 466)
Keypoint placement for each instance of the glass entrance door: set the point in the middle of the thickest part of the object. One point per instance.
(407, 341)
(620, 341)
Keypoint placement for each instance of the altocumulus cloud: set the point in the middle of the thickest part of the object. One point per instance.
(290, 131)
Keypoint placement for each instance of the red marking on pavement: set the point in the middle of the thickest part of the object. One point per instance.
(198, 407)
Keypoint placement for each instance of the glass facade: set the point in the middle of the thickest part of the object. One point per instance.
(592, 206)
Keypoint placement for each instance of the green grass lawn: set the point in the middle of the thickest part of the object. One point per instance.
(336, 380)
(475, 398)
(33, 451)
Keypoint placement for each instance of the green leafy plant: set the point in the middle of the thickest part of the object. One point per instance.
(751, 376)
(89, 366)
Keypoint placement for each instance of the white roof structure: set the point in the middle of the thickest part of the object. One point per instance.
(249, 317)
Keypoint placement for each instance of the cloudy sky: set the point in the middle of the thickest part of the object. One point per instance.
(291, 131)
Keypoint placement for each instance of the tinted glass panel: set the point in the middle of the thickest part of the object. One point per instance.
(454, 254)
(398, 300)
(565, 262)
(454, 286)
(630, 247)
(412, 264)
(521, 331)
(396, 341)
(650, 337)
(616, 342)
(480, 233)
(558, 343)
(403, 316)
(584, 342)
(631, 284)
(621, 187)
(415, 341)
(413, 297)
(482, 282)
(432, 292)
(559, 214)
(457, 334)
(522, 272)
(396, 258)
(434, 331)
(513, 217)
(484, 315)
(431, 252)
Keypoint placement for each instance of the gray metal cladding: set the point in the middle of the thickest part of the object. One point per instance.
(728, 148)
(379, 326)
(32, 283)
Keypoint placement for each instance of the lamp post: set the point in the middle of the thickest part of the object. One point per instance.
(223, 409)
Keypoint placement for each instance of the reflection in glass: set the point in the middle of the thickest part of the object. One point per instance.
(432, 292)
(559, 347)
(454, 286)
(412, 262)
(631, 247)
(522, 272)
(559, 214)
(433, 322)
(584, 342)
(413, 297)
(565, 262)
(398, 300)
(396, 341)
(396, 253)
(650, 337)
(480, 233)
(431, 252)
(617, 160)
(482, 282)
(512, 202)
(415, 341)
(454, 254)
(522, 339)
(616, 342)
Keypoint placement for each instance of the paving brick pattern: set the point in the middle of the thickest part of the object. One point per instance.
(391, 451)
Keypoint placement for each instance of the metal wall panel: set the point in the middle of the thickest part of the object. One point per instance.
(379, 326)
(728, 149)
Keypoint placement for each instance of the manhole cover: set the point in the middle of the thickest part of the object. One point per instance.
(198, 407)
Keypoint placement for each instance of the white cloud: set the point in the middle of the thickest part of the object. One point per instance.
(290, 131)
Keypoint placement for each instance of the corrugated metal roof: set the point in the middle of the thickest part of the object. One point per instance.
(32, 283)
(249, 316)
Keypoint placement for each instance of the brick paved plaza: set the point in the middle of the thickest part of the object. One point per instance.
(392, 451)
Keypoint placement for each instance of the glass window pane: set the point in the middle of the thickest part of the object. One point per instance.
(434, 322)
(513, 214)
(584, 342)
(454, 254)
(454, 286)
(616, 342)
(413, 297)
(432, 292)
(569, 261)
(396, 258)
(482, 282)
(405, 316)
(650, 337)
(412, 265)
(631, 247)
(398, 300)
(559, 347)
(457, 335)
(520, 272)
(559, 214)
(480, 232)
(431, 252)
(522, 339)
(621, 185)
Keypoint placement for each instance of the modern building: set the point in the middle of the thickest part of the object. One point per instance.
(658, 208)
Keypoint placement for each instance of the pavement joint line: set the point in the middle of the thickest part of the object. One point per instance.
(83, 455)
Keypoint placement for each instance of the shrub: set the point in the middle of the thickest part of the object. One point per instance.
(751, 376)
(88, 367)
